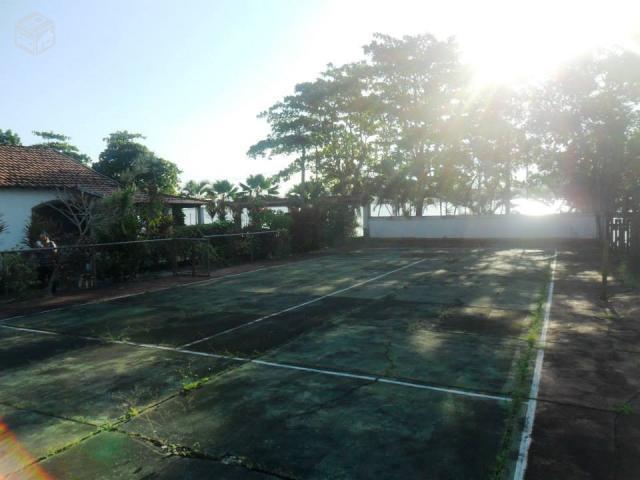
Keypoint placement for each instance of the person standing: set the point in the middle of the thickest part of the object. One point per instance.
(47, 262)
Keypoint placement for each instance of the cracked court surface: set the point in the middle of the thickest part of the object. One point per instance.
(390, 363)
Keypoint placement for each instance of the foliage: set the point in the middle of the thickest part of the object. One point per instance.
(258, 187)
(3, 226)
(18, 274)
(307, 232)
(405, 127)
(178, 216)
(7, 137)
(196, 189)
(237, 248)
(255, 191)
(197, 231)
(587, 123)
(133, 164)
(117, 221)
(154, 221)
(223, 193)
(60, 143)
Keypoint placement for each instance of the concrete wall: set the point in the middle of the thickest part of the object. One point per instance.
(15, 208)
(560, 226)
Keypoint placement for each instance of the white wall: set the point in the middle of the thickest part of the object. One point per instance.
(560, 226)
(15, 208)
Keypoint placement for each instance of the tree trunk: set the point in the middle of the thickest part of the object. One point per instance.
(303, 176)
(419, 206)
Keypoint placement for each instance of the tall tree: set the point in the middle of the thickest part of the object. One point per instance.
(130, 162)
(420, 83)
(60, 143)
(497, 146)
(587, 120)
(7, 137)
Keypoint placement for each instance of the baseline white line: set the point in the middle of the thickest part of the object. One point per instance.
(304, 304)
(286, 366)
(454, 391)
(527, 432)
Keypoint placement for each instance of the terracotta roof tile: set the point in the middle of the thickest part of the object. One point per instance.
(28, 167)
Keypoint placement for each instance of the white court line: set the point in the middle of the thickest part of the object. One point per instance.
(144, 292)
(304, 304)
(286, 366)
(525, 441)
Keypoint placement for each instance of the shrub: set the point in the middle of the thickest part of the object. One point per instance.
(318, 226)
(18, 273)
(307, 228)
(117, 221)
(198, 231)
(341, 224)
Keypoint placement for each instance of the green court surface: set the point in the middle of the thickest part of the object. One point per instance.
(378, 363)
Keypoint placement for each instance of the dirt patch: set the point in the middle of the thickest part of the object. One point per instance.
(587, 423)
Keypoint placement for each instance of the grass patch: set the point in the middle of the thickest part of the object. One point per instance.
(522, 384)
(623, 409)
(194, 385)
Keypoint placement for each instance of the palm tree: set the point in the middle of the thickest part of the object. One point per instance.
(224, 193)
(309, 192)
(256, 189)
(196, 189)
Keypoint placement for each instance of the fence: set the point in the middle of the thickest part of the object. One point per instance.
(87, 265)
(620, 233)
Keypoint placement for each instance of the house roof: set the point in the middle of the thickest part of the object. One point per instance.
(28, 167)
(183, 201)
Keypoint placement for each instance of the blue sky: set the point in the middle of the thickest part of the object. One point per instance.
(192, 75)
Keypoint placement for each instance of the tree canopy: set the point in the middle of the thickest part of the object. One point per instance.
(405, 126)
(60, 143)
(130, 162)
(7, 137)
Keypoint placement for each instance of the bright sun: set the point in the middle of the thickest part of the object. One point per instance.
(525, 40)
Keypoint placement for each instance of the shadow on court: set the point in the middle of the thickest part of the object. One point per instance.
(351, 366)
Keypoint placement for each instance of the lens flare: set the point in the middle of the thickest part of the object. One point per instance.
(14, 457)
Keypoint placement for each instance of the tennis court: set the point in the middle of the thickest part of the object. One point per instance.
(375, 363)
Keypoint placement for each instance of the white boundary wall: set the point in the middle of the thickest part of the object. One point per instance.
(15, 207)
(576, 226)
